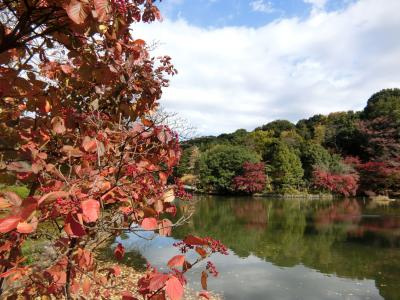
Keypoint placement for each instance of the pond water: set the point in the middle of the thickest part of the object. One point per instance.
(290, 249)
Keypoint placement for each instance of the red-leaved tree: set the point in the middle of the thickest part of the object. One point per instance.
(78, 97)
(382, 177)
(253, 179)
(344, 184)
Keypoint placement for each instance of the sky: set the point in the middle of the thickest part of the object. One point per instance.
(245, 63)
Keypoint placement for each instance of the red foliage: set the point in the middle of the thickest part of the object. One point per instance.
(377, 176)
(346, 184)
(253, 179)
(79, 127)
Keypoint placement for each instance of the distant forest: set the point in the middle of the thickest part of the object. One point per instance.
(348, 153)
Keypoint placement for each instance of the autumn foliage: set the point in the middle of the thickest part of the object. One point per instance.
(253, 179)
(343, 184)
(78, 110)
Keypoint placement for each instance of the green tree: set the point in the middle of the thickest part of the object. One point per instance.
(277, 126)
(221, 163)
(258, 140)
(287, 171)
(385, 103)
(313, 154)
(342, 133)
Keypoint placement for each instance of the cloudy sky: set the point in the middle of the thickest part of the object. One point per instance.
(243, 63)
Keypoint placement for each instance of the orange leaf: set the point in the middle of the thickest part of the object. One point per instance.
(149, 224)
(71, 151)
(91, 210)
(176, 261)
(204, 280)
(86, 285)
(201, 252)
(9, 223)
(174, 288)
(89, 144)
(67, 69)
(24, 227)
(47, 106)
(58, 125)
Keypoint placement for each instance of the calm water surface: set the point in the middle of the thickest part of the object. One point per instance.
(291, 249)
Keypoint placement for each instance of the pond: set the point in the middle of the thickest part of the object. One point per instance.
(291, 249)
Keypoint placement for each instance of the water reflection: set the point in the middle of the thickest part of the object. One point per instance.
(294, 249)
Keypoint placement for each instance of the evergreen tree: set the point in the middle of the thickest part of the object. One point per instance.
(287, 169)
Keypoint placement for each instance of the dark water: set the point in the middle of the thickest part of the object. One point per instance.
(291, 249)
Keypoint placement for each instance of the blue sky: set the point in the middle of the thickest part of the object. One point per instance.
(244, 63)
(220, 13)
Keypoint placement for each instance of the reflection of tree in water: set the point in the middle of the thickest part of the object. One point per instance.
(332, 237)
(346, 211)
(253, 213)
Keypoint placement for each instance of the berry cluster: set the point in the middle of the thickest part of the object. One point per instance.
(183, 247)
(66, 206)
(212, 269)
(120, 5)
(216, 246)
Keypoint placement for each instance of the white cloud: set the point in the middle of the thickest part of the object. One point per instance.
(262, 6)
(317, 4)
(241, 77)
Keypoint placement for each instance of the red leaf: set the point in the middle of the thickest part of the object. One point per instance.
(157, 281)
(119, 252)
(28, 206)
(174, 288)
(194, 240)
(73, 227)
(103, 8)
(76, 10)
(91, 210)
(9, 223)
(176, 261)
(149, 224)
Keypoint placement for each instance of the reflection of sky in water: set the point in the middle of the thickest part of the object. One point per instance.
(254, 278)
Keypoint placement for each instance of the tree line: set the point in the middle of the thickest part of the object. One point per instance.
(348, 153)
